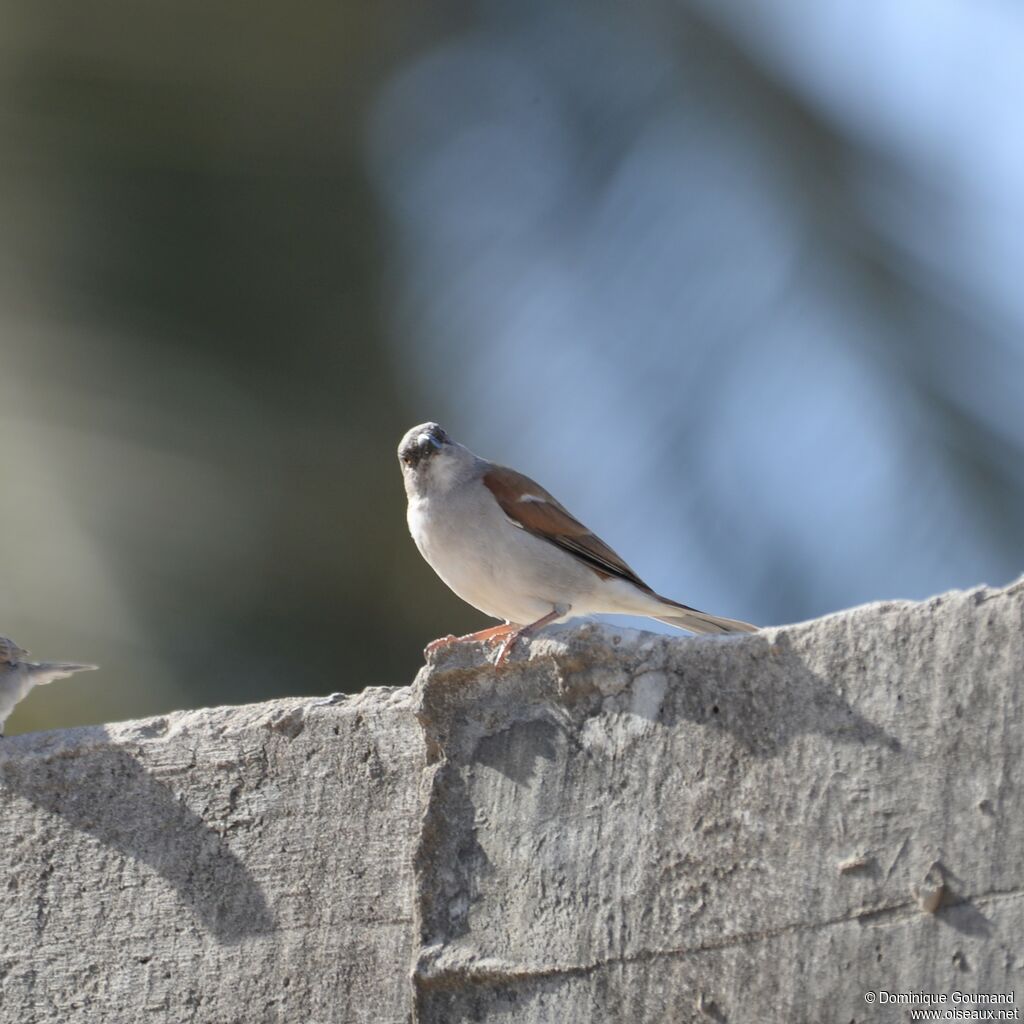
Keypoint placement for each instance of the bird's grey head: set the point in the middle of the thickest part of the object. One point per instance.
(421, 444)
(431, 459)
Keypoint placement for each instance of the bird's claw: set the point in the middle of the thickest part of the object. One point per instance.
(506, 648)
(441, 641)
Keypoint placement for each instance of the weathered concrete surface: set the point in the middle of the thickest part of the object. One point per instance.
(728, 830)
(241, 864)
(615, 826)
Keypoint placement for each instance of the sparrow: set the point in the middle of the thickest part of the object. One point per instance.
(507, 547)
(18, 676)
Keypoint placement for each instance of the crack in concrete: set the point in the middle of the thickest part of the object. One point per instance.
(432, 973)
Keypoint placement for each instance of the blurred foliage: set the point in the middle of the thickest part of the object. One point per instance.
(199, 413)
(709, 287)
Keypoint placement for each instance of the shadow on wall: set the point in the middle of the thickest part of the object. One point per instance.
(765, 704)
(130, 811)
(757, 690)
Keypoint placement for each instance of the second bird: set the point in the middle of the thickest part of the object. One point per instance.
(507, 547)
(18, 675)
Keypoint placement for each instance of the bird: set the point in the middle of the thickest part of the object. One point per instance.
(18, 675)
(506, 546)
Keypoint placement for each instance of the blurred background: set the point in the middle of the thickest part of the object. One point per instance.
(740, 283)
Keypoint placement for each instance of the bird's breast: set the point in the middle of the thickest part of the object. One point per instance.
(470, 545)
(445, 537)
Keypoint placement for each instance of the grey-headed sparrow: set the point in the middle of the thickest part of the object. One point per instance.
(507, 547)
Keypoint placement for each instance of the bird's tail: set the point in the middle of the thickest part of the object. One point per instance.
(696, 621)
(43, 672)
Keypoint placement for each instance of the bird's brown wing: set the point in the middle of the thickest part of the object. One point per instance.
(530, 507)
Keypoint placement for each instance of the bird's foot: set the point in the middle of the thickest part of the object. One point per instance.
(506, 647)
(487, 636)
(441, 641)
(518, 632)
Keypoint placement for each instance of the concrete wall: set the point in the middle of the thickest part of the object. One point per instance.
(620, 827)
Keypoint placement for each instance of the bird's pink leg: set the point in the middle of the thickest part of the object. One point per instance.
(510, 640)
(491, 633)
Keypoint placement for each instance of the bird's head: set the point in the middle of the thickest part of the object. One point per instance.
(431, 460)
